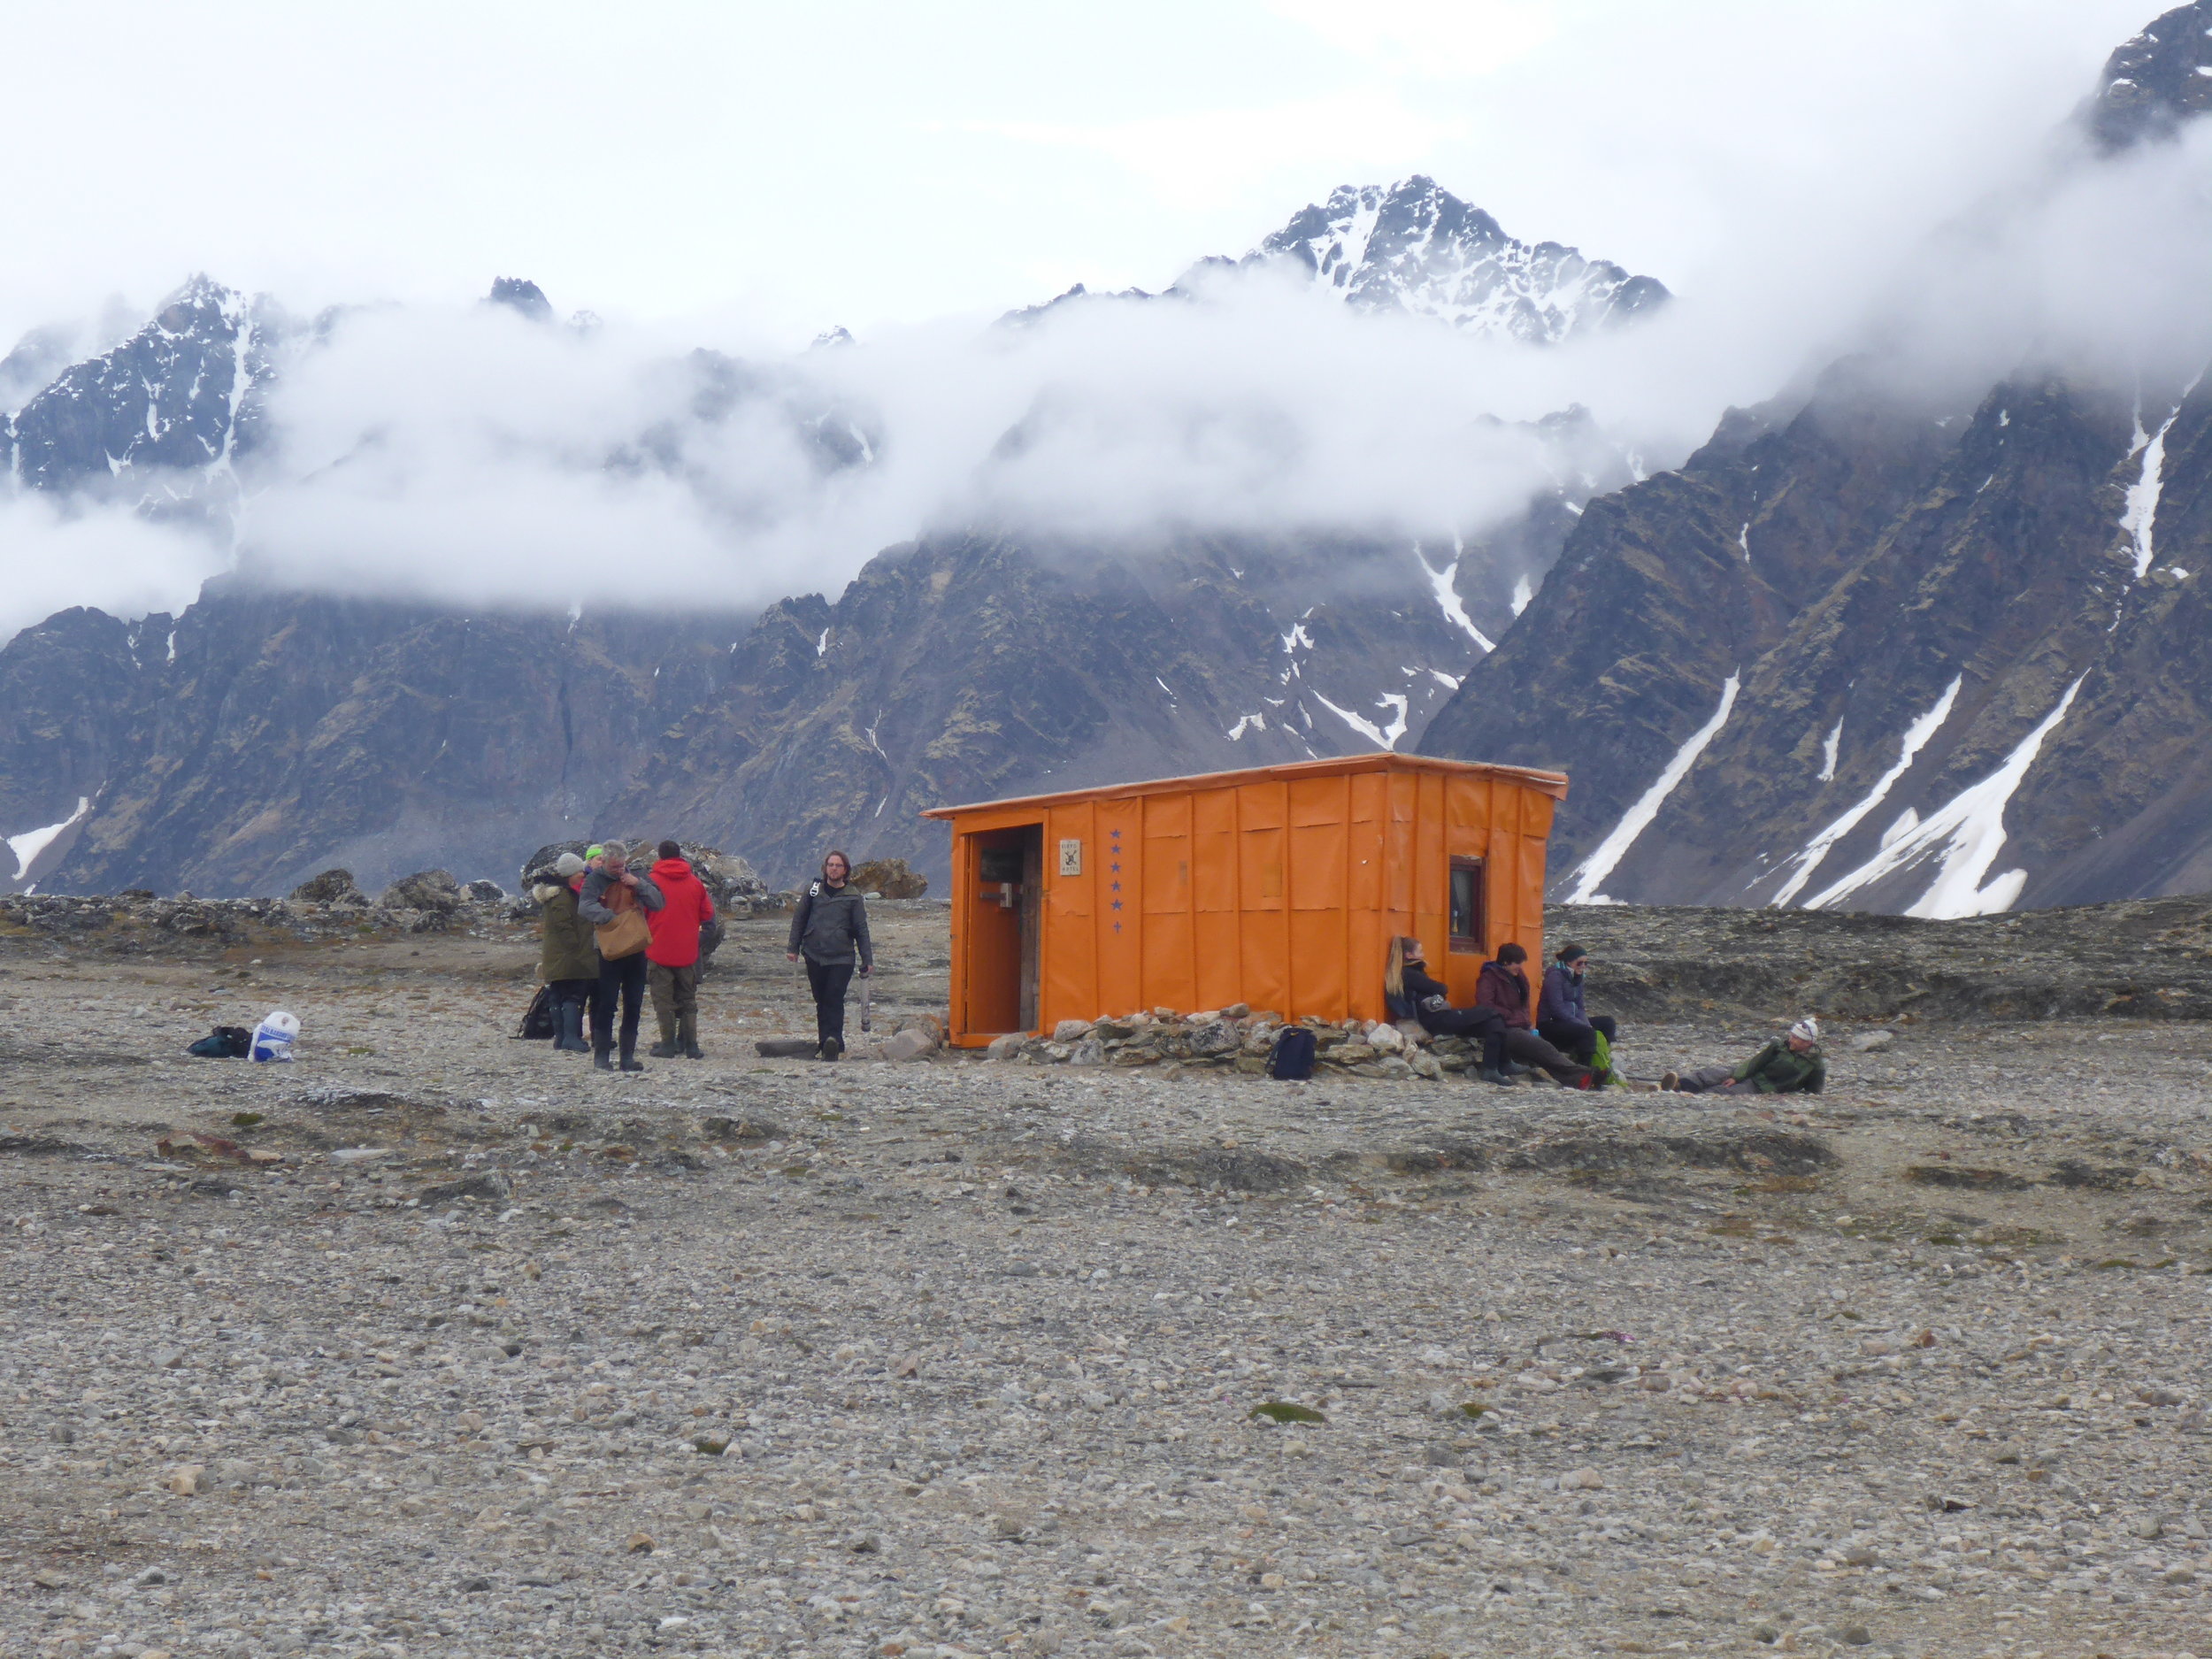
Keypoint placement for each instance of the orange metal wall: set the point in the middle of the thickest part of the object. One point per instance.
(1280, 892)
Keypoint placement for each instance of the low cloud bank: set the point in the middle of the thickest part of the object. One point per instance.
(476, 457)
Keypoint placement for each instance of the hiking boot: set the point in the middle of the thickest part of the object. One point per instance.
(662, 1051)
(1489, 1075)
(831, 1049)
(571, 1037)
(1670, 1082)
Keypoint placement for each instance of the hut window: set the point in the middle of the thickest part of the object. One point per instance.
(1471, 924)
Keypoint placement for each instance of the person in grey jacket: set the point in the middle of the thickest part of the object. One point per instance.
(610, 888)
(830, 929)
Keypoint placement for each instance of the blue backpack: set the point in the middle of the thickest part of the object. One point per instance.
(1292, 1061)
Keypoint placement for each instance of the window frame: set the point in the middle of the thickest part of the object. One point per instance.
(1477, 943)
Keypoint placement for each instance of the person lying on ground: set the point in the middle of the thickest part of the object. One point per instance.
(1409, 993)
(1561, 1019)
(1790, 1066)
(1503, 984)
(609, 891)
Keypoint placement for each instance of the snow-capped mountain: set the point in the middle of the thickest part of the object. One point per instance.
(1863, 648)
(2156, 82)
(1868, 652)
(1415, 247)
(153, 418)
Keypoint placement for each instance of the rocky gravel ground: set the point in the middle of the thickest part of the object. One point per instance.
(434, 1341)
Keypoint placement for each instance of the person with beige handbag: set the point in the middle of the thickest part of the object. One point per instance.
(615, 900)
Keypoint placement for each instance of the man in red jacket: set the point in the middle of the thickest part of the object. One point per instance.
(672, 958)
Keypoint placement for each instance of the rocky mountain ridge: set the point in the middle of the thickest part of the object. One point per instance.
(1867, 647)
(1413, 247)
(1872, 652)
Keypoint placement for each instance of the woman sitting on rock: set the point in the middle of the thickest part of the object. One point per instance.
(1410, 994)
(1789, 1065)
(1504, 987)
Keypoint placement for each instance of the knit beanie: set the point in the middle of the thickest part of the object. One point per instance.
(569, 864)
(1808, 1028)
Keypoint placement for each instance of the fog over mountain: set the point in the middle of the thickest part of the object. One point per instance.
(1397, 473)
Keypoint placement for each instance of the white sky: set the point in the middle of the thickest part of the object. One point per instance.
(865, 162)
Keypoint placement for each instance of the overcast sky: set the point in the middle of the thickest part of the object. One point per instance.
(867, 163)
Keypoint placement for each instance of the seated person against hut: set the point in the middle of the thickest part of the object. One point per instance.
(1504, 987)
(1791, 1065)
(1410, 994)
(1560, 1018)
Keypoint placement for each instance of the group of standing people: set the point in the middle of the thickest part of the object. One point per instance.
(1552, 1030)
(609, 933)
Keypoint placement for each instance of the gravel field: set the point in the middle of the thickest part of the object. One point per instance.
(438, 1342)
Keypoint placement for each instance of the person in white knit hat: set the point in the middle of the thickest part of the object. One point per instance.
(1791, 1064)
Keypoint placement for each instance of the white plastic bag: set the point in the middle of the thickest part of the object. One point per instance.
(273, 1037)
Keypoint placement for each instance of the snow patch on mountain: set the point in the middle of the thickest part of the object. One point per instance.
(1916, 739)
(1964, 836)
(1590, 879)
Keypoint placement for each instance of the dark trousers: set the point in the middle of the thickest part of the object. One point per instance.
(1485, 1025)
(1714, 1080)
(829, 980)
(577, 991)
(1528, 1048)
(1571, 1036)
(624, 977)
(676, 1002)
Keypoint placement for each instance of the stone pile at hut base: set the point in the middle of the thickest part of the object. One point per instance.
(1240, 1039)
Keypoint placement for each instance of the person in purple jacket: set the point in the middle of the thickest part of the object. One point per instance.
(1561, 1019)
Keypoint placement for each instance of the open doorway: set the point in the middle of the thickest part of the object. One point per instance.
(1005, 904)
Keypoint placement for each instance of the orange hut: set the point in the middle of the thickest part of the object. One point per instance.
(1278, 887)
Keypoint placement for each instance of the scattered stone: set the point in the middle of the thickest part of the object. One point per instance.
(909, 1045)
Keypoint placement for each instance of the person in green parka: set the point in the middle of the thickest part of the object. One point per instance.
(568, 954)
(1790, 1066)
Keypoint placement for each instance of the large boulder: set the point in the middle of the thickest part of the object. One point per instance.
(889, 876)
(333, 886)
(433, 890)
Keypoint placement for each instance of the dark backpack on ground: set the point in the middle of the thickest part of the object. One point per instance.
(1292, 1059)
(537, 1021)
(225, 1042)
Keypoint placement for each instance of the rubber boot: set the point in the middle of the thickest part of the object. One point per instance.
(662, 1051)
(599, 1057)
(571, 1037)
(629, 1056)
(687, 1037)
